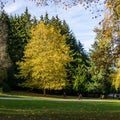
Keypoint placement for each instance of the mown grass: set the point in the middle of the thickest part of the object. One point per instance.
(48, 109)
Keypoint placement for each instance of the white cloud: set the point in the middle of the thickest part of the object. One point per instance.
(12, 7)
(78, 19)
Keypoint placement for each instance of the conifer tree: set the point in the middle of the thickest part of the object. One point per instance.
(18, 37)
(4, 56)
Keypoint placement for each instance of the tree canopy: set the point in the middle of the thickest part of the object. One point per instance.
(45, 57)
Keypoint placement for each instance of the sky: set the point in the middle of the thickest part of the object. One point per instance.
(79, 20)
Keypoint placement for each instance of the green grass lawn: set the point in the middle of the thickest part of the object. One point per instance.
(58, 109)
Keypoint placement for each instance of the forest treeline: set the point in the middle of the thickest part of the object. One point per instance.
(44, 55)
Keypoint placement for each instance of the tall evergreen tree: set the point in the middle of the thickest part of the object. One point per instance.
(4, 56)
(18, 37)
(80, 74)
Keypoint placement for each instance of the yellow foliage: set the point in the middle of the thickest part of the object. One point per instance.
(118, 33)
(45, 57)
(116, 77)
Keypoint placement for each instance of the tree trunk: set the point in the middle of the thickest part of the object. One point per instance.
(44, 91)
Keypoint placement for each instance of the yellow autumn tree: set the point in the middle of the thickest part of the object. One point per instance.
(45, 57)
(111, 34)
(116, 76)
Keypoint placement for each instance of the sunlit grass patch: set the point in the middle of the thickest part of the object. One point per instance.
(43, 109)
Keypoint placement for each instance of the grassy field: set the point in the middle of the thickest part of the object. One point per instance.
(58, 109)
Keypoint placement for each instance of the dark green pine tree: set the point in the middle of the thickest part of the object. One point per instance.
(5, 61)
(18, 37)
(77, 68)
(81, 76)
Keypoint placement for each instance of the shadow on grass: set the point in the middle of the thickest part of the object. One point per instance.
(56, 116)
